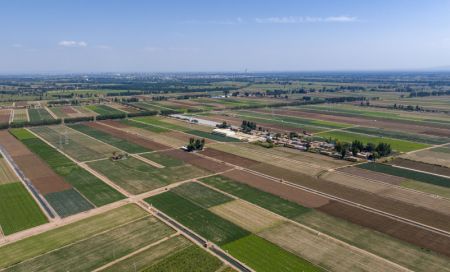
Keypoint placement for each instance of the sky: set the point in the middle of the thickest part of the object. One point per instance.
(62, 36)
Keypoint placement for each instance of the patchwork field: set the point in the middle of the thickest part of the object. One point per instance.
(4, 116)
(76, 144)
(439, 156)
(98, 241)
(408, 255)
(108, 138)
(89, 190)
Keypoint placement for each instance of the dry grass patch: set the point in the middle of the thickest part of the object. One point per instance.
(247, 216)
(6, 173)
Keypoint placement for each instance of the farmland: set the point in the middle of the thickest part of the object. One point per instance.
(113, 193)
(104, 110)
(38, 115)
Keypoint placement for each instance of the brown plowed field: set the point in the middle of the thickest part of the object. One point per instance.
(403, 231)
(356, 171)
(40, 174)
(230, 158)
(198, 161)
(114, 123)
(4, 116)
(127, 136)
(295, 195)
(68, 110)
(366, 121)
(425, 216)
(437, 169)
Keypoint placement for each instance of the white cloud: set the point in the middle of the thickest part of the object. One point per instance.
(72, 44)
(304, 19)
(17, 45)
(102, 46)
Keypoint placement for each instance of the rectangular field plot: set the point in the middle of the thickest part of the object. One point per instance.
(151, 128)
(109, 139)
(95, 190)
(68, 202)
(318, 249)
(38, 115)
(77, 145)
(201, 195)
(247, 216)
(263, 199)
(18, 210)
(4, 116)
(198, 219)
(40, 244)
(408, 174)
(136, 176)
(439, 156)
(398, 145)
(262, 255)
(98, 250)
(104, 110)
(7, 175)
(20, 116)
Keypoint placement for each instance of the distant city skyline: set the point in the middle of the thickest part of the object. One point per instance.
(51, 36)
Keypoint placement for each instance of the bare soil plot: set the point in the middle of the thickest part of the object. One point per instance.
(122, 107)
(372, 175)
(4, 116)
(128, 136)
(399, 230)
(197, 161)
(227, 157)
(247, 216)
(84, 111)
(324, 251)
(432, 168)
(295, 195)
(40, 174)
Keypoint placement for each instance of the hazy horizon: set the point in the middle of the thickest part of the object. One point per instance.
(102, 36)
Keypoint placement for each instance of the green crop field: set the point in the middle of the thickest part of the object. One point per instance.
(262, 255)
(151, 256)
(104, 110)
(109, 139)
(136, 176)
(190, 259)
(200, 220)
(400, 135)
(398, 145)
(39, 244)
(18, 210)
(68, 202)
(90, 186)
(163, 159)
(20, 115)
(37, 115)
(150, 128)
(201, 195)
(76, 144)
(405, 173)
(95, 251)
(266, 200)
(158, 122)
